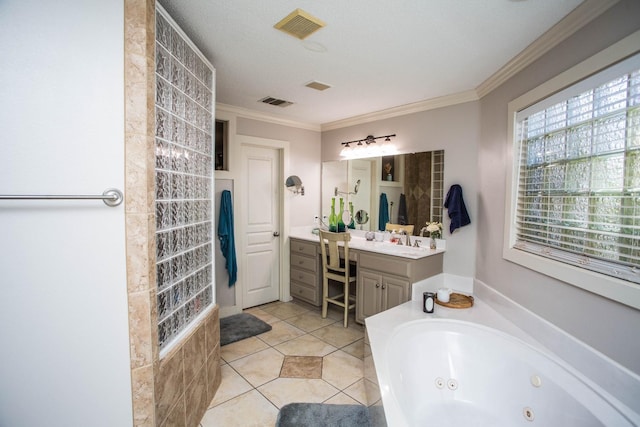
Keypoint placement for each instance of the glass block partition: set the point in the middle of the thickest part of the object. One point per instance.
(437, 185)
(183, 180)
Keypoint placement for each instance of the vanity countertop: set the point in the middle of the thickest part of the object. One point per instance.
(358, 242)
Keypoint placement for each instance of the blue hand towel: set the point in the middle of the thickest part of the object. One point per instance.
(383, 215)
(457, 209)
(225, 234)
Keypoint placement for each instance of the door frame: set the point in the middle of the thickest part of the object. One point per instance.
(235, 159)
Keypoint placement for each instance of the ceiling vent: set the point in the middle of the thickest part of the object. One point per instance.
(317, 85)
(275, 101)
(299, 24)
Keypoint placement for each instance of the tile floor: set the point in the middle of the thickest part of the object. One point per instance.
(304, 358)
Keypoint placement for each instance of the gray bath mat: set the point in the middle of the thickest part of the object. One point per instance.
(240, 326)
(321, 415)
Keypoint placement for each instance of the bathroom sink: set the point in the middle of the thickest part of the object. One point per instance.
(389, 248)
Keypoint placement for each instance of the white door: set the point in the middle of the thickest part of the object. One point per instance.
(261, 219)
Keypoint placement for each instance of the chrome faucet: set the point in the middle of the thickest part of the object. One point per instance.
(407, 238)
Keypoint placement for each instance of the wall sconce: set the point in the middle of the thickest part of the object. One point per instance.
(367, 147)
(347, 193)
(294, 184)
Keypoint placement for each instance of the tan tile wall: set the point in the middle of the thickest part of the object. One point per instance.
(189, 376)
(139, 185)
(174, 391)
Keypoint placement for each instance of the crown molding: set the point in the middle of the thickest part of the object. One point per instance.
(576, 19)
(402, 110)
(567, 26)
(265, 117)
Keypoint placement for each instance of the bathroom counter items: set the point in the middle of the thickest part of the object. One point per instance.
(457, 301)
(358, 242)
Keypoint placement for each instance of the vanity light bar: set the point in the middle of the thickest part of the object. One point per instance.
(370, 139)
(369, 148)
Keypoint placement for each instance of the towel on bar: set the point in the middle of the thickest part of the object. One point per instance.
(457, 209)
(225, 234)
(383, 216)
(402, 210)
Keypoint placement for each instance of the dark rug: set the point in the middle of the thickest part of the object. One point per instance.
(240, 326)
(320, 415)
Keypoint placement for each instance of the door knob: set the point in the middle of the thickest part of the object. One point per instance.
(276, 234)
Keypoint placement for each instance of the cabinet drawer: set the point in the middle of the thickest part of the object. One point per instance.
(303, 276)
(305, 262)
(307, 294)
(387, 265)
(306, 248)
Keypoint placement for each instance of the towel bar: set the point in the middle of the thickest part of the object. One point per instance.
(111, 197)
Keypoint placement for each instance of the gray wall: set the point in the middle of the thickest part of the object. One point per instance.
(608, 326)
(455, 130)
(304, 155)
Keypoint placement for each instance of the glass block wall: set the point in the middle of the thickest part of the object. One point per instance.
(183, 180)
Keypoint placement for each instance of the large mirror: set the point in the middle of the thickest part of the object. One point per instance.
(409, 187)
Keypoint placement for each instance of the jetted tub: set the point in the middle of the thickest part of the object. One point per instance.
(445, 372)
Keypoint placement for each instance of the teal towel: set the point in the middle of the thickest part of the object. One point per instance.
(383, 216)
(225, 234)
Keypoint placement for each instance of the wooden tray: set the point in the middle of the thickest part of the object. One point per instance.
(457, 301)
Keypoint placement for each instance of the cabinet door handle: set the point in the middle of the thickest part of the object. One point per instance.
(377, 285)
(384, 287)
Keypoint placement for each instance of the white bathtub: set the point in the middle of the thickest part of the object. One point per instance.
(456, 373)
(510, 367)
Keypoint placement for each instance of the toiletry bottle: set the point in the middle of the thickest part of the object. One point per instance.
(352, 224)
(333, 219)
(341, 226)
(428, 300)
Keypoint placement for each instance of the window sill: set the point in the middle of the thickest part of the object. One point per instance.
(609, 287)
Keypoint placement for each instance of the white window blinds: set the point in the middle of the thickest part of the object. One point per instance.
(578, 198)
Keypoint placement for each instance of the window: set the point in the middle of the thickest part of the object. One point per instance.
(575, 196)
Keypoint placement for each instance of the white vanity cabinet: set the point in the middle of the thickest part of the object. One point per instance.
(305, 271)
(385, 281)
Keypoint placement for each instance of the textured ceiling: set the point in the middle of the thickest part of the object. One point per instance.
(375, 54)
